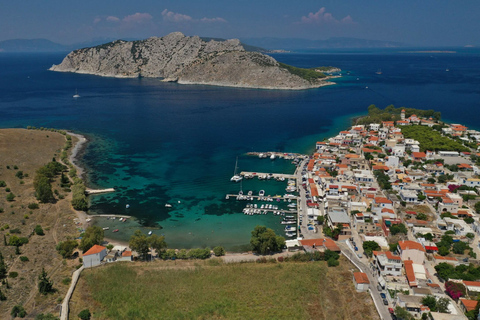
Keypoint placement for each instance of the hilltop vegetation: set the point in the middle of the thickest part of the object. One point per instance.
(431, 139)
(307, 74)
(390, 113)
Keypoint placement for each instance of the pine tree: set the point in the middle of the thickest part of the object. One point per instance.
(45, 285)
(3, 267)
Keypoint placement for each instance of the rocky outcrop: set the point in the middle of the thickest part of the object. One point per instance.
(191, 60)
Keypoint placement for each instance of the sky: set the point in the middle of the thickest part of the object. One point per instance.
(412, 22)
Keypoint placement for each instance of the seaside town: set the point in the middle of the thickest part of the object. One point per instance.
(404, 215)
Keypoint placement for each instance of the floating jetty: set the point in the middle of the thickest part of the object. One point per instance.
(267, 176)
(97, 191)
(280, 155)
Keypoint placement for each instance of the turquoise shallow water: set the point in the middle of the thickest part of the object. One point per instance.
(159, 143)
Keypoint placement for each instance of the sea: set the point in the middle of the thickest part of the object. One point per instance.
(164, 143)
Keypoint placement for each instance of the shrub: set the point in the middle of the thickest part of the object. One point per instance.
(332, 262)
(16, 230)
(262, 260)
(2, 184)
(17, 241)
(455, 290)
(33, 206)
(13, 274)
(280, 259)
(19, 175)
(24, 259)
(39, 230)
(46, 316)
(85, 314)
(219, 251)
(10, 197)
(66, 281)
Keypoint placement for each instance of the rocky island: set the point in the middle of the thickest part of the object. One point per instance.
(191, 60)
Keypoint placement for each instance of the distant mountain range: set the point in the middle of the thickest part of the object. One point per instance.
(331, 43)
(250, 44)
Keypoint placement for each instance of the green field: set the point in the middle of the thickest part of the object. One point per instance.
(206, 290)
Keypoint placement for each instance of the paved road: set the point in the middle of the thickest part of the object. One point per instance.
(378, 301)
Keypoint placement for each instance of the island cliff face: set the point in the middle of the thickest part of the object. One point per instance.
(187, 60)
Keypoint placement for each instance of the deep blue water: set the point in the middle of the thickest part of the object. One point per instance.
(160, 143)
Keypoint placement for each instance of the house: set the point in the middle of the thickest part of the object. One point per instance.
(411, 250)
(467, 305)
(387, 263)
(419, 156)
(409, 196)
(126, 256)
(320, 243)
(361, 281)
(471, 182)
(472, 286)
(94, 256)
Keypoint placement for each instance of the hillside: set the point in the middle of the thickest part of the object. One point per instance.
(187, 60)
(26, 151)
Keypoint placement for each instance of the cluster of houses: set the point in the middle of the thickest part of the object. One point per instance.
(341, 186)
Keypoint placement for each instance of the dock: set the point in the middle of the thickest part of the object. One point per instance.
(98, 191)
(264, 198)
(263, 175)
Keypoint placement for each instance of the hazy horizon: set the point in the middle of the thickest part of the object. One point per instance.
(417, 24)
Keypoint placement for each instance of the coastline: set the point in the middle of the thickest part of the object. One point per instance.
(81, 143)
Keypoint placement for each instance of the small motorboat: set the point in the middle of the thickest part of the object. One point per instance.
(168, 205)
(150, 233)
(116, 230)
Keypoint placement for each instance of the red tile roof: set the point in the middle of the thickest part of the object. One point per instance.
(469, 304)
(126, 253)
(410, 273)
(361, 277)
(419, 154)
(327, 243)
(382, 200)
(471, 283)
(93, 250)
(412, 245)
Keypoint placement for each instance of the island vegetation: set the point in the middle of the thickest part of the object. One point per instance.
(431, 139)
(390, 113)
(310, 75)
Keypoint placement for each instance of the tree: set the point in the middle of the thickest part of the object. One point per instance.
(369, 247)
(442, 305)
(139, 242)
(45, 285)
(444, 270)
(477, 207)
(10, 197)
(18, 311)
(422, 216)
(65, 248)
(85, 314)
(332, 262)
(157, 243)
(93, 235)
(403, 314)
(431, 302)
(3, 267)
(398, 228)
(39, 230)
(320, 219)
(459, 247)
(43, 188)
(219, 251)
(393, 246)
(264, 240)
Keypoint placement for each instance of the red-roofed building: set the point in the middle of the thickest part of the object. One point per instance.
(126, 256)
(387, 263)
(361, 281)
(472, 285)
(410, 273)
(468, 305)
(419, 156)
(411, 250)
(94, 256)
(320, 243)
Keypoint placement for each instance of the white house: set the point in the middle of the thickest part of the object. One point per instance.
(361, 281)
(94, 256)
(387, 263)
(409, 196)
(411, 250)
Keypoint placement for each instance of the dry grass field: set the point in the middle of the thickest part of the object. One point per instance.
(213, 290)
(26, 151)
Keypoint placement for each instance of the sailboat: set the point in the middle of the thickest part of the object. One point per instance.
(236, 177)
(76, 95)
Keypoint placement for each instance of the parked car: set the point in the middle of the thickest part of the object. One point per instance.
(383, 295)
(385, 302)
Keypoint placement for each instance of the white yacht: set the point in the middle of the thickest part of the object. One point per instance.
(150, 233)
(272, 157)
(76, 95)
(236, 177)
(168, 205)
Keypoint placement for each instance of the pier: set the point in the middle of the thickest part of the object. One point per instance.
(266, 176)
(97, 191)
(260, 198)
